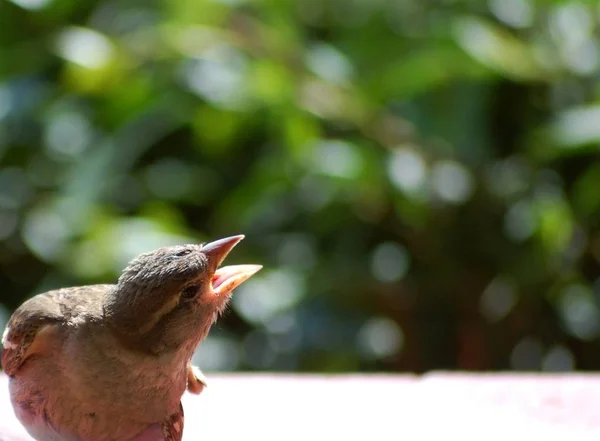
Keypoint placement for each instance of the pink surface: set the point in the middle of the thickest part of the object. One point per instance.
(355, 407)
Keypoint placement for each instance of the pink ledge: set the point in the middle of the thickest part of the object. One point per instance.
(461, 406)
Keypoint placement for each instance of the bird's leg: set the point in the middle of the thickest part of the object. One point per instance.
(196, 381)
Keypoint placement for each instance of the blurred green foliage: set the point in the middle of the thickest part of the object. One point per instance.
(421, 179)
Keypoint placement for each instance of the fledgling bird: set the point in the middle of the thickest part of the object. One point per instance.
(111, 362)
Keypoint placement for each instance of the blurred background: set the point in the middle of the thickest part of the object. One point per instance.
(421, 179)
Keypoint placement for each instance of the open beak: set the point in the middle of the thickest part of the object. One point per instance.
(227, 278)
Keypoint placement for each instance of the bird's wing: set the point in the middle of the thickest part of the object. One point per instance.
(38, 320)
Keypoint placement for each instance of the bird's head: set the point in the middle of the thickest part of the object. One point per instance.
(168, 298)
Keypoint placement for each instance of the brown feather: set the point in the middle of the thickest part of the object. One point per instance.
(35, 324)
(25, 338)
(173, 427)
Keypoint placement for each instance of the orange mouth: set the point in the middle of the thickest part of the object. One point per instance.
(227, 278)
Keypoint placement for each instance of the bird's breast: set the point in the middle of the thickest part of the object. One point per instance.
(104, 372)
(92, 389)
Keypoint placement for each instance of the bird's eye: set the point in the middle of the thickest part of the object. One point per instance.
(182, 253)
(190, 292)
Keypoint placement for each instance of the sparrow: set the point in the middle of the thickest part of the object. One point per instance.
(111, 362)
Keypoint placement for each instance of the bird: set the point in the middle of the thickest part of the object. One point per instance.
(111, 362)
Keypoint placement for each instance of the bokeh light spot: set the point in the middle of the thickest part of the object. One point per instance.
(329, 63)
(390, 262)
(520, 221)
(498, 299)
(85, 47)
(337, 158)
(45, 232)
(33, 5)
(558, 359)
(527, 355)
(380, 337)
(452, 182)
(579, 312)
(219, 75)
(268, 293)
(515, 13)
(67, 135)
(407, 170)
